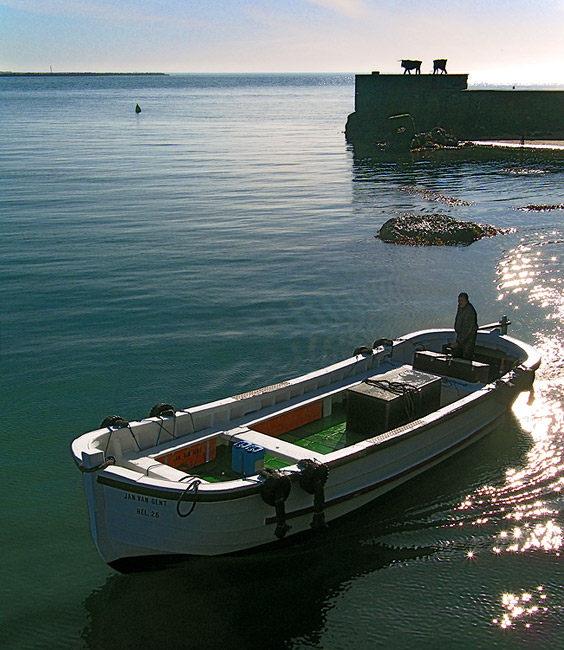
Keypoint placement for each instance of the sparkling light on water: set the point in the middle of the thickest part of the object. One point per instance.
(521, 607)
(521, 511)
(530, 523)
(517, 272)
(531, 276)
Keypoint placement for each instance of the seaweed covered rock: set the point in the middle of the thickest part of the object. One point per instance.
(433, 230)
(434, 139)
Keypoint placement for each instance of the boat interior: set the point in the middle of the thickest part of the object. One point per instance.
(280, 425)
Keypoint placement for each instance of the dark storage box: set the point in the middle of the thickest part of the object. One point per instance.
(373, 408)
(444, 364)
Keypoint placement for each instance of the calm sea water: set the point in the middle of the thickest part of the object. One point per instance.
(221, 240)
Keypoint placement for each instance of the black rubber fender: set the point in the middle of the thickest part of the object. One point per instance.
(161, 409)
(115, 421)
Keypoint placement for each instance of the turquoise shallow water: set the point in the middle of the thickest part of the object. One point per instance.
(222, 240)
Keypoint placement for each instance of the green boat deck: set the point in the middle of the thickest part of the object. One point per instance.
(321, 437)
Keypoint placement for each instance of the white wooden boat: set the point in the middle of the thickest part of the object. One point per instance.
(251, 469)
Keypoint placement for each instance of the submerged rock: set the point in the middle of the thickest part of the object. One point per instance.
(433, 230)
(434, 139)
(542, 208)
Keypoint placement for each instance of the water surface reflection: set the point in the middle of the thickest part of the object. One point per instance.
(293, 591)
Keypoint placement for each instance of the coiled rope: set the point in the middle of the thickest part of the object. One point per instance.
(411, 393)
(193, 485)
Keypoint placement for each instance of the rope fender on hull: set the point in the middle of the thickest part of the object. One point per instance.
(313, 477)
(274, 491)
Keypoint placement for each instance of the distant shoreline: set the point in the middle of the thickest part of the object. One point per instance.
(77, 74)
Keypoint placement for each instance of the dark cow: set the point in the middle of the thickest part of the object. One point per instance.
(439, 65)
(409, 65)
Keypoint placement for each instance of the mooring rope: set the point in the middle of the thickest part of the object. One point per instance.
(411, 393)
(109, 460)
(193, 485)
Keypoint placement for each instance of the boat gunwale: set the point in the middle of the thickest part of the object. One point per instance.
(227, 490)
(400, 476)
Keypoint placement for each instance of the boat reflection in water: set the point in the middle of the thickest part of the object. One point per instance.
(291, 591)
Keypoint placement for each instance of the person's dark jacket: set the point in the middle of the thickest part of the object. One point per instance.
(466, 327)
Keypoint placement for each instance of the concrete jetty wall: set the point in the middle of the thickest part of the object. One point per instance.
(444, 100)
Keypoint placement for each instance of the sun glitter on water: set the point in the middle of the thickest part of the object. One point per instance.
(527, 521)
(521, 608)
(523, 505)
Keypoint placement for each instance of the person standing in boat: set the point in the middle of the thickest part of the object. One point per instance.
(466, 328)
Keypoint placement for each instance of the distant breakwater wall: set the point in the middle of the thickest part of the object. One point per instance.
(445, 101)
(77, 74)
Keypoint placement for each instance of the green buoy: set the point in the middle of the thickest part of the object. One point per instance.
(137, 108)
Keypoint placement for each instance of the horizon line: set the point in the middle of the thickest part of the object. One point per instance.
(15, 73)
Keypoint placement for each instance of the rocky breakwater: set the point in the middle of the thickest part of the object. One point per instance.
(433, 230)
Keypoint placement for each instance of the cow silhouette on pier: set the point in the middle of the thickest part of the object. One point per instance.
(410, 65)
(439, 66)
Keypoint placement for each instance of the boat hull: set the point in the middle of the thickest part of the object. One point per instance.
(134, 515)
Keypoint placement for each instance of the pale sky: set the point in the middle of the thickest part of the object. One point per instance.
(495, 41)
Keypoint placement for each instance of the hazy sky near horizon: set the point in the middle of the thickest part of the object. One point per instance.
(495, 41)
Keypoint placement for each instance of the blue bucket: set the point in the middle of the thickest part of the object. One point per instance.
(253, 459)
(237, 458)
